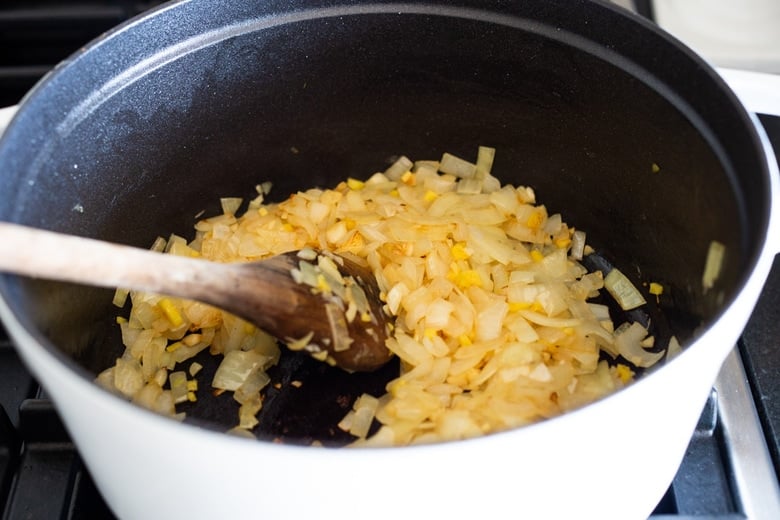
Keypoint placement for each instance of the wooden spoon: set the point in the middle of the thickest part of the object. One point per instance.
(263, 292)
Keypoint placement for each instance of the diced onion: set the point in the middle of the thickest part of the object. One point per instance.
(713, 265)
(470, 186)
(623, 291)
(577, 245)
(128, 376)
(230, 205)
(457, 166)
(601, 312)
(398, 168)
(235, 369)
(485, 157)
(178, 382)
(358, 420)
(628, 341)
(338, 326)
(120, 297)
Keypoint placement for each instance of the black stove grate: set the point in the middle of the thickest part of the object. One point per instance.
(41, 474)
(41, 33)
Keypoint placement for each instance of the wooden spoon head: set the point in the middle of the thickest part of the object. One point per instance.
(323, 303)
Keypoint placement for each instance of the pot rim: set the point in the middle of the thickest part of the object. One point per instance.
(37, 350)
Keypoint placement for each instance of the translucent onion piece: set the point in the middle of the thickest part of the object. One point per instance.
(577, 245)
(398, 168)
(178, 382)
(713, 265)
(235, 369)
(120, 297)
(625, 293)
(628, 340)
(457, 166)
(230, 205)
(338, 327)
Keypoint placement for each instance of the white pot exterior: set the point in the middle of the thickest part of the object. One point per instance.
(614, 459)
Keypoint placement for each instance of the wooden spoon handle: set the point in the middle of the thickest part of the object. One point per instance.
(45, 254)
(264, 292)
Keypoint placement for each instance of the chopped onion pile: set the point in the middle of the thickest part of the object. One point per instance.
(494, 325)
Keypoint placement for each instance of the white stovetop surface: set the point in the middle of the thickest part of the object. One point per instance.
(742, 35)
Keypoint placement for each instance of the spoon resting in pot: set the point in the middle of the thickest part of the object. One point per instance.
(320, 302)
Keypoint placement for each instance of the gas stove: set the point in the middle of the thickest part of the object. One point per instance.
(731, 469)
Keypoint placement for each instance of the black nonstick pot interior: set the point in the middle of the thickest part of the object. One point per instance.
(149, 127)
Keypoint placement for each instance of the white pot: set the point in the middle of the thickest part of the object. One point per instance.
(572, 466)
